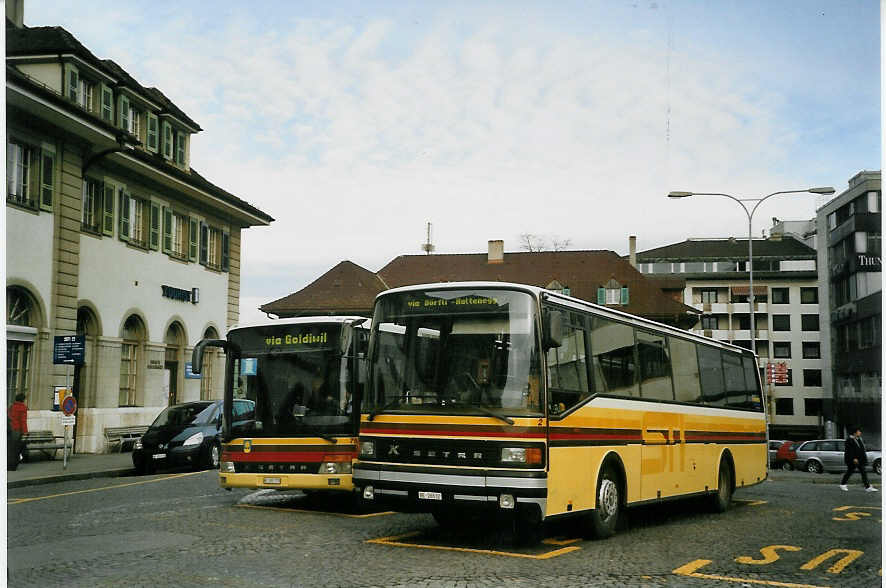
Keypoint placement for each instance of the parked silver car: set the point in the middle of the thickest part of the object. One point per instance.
(823, 455)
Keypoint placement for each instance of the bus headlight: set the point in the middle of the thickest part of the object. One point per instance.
(367, 448)
(226, 467)
(195, 439)
(522, 455)
(335, 467)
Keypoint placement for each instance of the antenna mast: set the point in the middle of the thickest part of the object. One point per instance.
(427, 246)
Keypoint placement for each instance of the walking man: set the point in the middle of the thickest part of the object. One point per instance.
(856, 457)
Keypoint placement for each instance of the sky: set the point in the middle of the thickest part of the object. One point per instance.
(354, 124)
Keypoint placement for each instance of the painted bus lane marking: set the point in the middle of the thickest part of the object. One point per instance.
(856, 514)
(690, 570)
(398, 541)
(769, 553)
(749, 502)
(88, 490)
(850, 555)
(317, 512)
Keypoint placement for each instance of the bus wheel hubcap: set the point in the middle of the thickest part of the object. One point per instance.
(608, 498)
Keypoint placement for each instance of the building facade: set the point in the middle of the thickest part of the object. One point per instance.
(786, 314)
(850, 257)
(112, 235)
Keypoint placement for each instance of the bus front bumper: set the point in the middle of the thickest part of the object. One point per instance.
(281, 481)
(425, 489)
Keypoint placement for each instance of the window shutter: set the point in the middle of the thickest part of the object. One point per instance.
(153, 124)
(108, 210)
(180, 148)
(167, 230)
(226, 252)
(124, 215)
(123, 112)
(107, 104)
(193, 239)
(167, 139)
(72, 77)
(624, 295)
(154, 241)
(601, 295)
(47, 179)
(204, 243)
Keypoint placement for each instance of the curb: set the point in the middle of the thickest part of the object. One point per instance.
(69, 477)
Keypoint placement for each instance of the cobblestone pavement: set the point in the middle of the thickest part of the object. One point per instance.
(181, 529)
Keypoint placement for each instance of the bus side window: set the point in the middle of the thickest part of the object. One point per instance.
(613, 360)
(568, 367)
(736, 389)
(655, 366)
(687, 379)
(710, 364)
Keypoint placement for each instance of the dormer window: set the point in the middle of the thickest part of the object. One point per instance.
(134, 122)
(107, 111)
(85, 94)
(153, 133)
(180, 143)
(612, 293)
(72, 82)
(123, 112)
(167, 140)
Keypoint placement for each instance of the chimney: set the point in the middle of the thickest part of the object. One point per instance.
(496, 251)
(632, 247)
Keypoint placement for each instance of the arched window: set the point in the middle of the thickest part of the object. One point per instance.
(175, 340)
(207, 373)
(21, 332)
(84, 375)
(130, 351)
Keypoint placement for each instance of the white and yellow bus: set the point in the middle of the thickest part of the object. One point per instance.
(522, 401)
(303, 377)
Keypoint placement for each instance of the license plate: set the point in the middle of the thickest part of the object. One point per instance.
(159, 456)
(430, 495)
(272, 480)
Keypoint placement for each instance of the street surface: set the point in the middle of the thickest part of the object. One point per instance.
(181, 529)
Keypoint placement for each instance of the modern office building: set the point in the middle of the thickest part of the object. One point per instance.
(111, 234)
(850, 258)
(786, 313)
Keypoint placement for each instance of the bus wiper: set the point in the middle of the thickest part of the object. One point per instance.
(486, 411)
(324, 436)
(389, 404)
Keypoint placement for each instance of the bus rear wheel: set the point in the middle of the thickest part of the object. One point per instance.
(604, 518)
(722, 498)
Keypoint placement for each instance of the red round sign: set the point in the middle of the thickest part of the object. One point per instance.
(69, 405)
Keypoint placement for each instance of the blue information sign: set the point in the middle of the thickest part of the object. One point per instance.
(69, 349)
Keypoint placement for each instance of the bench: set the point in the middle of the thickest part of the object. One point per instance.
(122, 435)
(43, 441)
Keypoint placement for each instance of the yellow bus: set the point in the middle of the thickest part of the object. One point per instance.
(303, 377)
(527, 403)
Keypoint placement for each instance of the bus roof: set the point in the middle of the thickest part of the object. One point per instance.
(539, 292)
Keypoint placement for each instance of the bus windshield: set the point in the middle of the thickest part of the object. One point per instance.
(455, 352)
(296, 375)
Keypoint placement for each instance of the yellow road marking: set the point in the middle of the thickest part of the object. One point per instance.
(689, 570)
(171, 477)
(394, 541)
(842, 508)
(851, 556)
(553, 541)
(320, 512)
(770, 554)
(750, 502)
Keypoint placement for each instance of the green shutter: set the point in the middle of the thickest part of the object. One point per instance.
(204, 243)
(193, 239)
(152, 132)
(107, 107)
(47, 179)
(180, 148)
(108, 211)
(226, 252)
(601, 295)
(624, 295)
(155, 227)
(166, 129)
(167, 230)
(72, 81)
(124, 214)
(123, 112)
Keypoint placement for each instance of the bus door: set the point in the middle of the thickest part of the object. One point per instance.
(663, 464)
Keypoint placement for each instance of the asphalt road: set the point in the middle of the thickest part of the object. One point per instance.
(181, 529)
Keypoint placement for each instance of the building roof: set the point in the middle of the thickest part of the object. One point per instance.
(736, 249)
(347, 286)
(27, 41)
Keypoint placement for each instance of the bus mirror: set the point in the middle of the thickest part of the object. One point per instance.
(199, 349)
(552, 335)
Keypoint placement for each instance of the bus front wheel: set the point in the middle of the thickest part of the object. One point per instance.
(604, 517)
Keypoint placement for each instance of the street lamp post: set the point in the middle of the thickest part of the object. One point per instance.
(750, 214)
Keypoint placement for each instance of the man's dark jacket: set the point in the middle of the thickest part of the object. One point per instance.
(855, 450)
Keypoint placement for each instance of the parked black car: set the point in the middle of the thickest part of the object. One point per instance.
(186, 434)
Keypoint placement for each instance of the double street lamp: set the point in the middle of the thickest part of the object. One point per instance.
(750, 214)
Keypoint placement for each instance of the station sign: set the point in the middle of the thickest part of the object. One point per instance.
(69, 349)
(777, 373)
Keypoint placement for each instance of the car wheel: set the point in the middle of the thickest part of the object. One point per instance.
(214, 456)
(814, 467)
(722, 498)
(786, 466)
(878, 467)
(604, 517)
